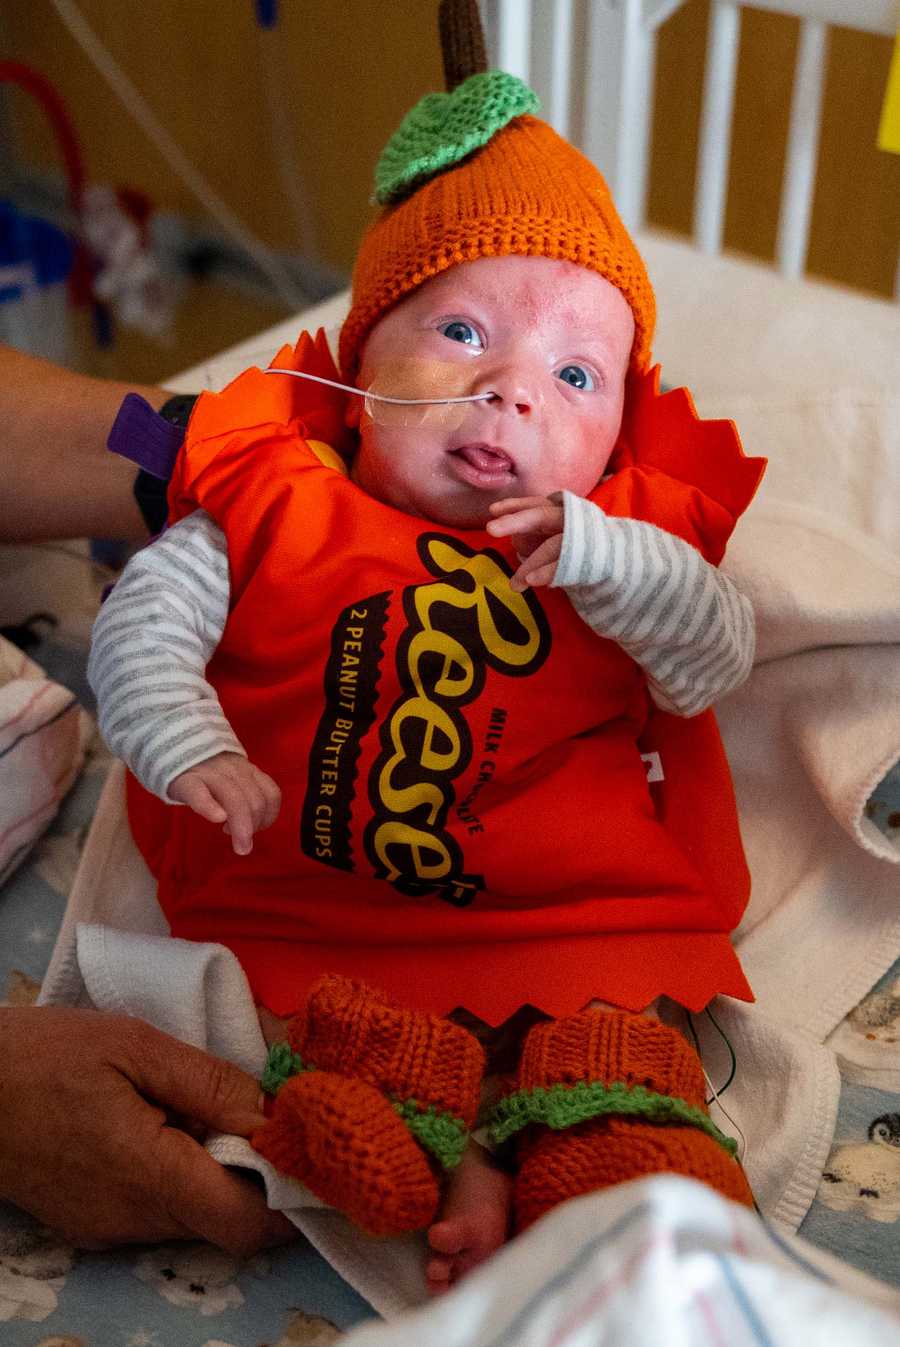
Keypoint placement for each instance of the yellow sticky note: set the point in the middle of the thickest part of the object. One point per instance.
(889, 129)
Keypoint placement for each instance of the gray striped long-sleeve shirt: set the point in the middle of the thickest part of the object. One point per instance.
(675, 614)
(681, 619)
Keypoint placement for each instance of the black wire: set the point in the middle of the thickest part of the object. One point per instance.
(727, 1043)
(690, 1020)
(724, 1036)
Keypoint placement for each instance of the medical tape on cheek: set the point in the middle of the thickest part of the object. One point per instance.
(415, 378)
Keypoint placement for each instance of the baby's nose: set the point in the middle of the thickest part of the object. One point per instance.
(511, 393)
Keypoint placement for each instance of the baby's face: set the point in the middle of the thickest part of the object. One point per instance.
(549, 339)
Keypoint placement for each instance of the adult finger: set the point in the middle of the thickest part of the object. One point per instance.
(189, 1081)
(84, 1098)
(213, 1202)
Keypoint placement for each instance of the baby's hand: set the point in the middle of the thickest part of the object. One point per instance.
(535, 523)
(228, 789)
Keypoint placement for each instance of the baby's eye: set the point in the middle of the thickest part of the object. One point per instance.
(577, 376)
(457, 330)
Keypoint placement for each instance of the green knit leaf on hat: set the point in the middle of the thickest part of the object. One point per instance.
(442, 129)
(560, 1106)
(281, 1064)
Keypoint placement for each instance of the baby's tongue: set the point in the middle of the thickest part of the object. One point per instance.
(484, 459)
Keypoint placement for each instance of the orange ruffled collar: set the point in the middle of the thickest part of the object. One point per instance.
(660, 430)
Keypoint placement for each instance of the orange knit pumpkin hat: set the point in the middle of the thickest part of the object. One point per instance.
(472, 173)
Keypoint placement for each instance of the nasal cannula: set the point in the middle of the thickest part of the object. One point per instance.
(379, 397)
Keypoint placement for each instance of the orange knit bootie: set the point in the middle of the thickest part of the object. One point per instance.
(372, 1103)
(606, 1096)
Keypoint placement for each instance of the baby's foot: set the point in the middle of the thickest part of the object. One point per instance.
(274, 1028)
(474, 1219)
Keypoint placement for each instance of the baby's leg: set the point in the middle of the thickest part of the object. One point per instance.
(475, 1213)
(606, 1096)
(473, 1221)
(372, 1102)
(274, 1028)
(474, 1216)
(650, 1012)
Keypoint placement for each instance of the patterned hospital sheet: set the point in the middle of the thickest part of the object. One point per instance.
(192, 1295)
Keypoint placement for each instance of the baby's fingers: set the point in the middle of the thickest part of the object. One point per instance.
(528, 516)
(239, 813)
(539, 568)
(271, 802)
(511, 503)
(197, 796)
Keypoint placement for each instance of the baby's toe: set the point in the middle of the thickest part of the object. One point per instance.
(476, 1251)
(439, 1275)
(448, 1237)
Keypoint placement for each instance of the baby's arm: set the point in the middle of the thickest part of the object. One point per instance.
(152, 641)
(679, 617)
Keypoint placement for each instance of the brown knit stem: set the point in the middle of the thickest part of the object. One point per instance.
(462, 41)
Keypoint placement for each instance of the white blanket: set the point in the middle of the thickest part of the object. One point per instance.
(673, 1247)
(199, 994)
(661, 1260)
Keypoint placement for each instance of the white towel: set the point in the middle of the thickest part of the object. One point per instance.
(198, 993)
(818, 724)
(661, 1260)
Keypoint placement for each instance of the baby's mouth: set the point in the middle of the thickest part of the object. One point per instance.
(483, 464)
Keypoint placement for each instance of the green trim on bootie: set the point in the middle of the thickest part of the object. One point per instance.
(561, 1106)
(445, 1135)
(440, 1132)
(281, 1063)
(443, 129)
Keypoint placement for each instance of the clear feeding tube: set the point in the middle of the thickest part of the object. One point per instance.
(438, 388)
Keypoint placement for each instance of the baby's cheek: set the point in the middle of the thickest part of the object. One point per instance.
(596, 444)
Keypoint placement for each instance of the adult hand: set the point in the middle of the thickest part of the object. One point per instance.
(59, 479)
(86, 1142)
(228, 789)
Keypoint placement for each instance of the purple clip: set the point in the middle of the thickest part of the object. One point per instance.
(146, 438)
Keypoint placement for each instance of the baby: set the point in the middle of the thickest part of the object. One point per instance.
(430, 671)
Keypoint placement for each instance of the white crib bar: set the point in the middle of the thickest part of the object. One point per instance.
(636, 111)
(715, 127)
(514, 37)
(619, 101)
(560, 65)
(802, 149)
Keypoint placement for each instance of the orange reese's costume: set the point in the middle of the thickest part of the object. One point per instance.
(466, 817)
